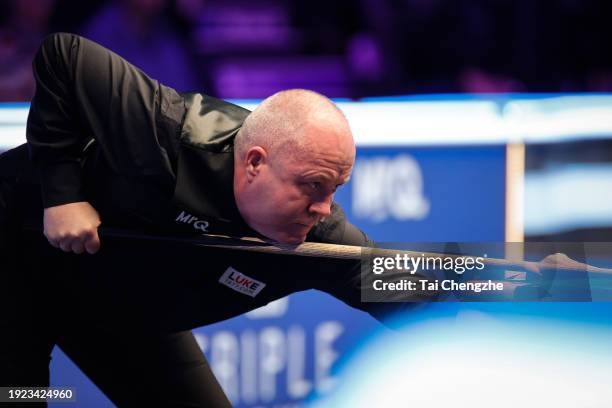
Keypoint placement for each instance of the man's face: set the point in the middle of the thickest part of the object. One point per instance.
(295, 191)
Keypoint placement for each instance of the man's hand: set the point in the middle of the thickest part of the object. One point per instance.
(73, 227)
(554, 261)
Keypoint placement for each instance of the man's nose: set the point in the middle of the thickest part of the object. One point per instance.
(322, 208)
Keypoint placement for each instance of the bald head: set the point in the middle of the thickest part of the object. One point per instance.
(290, 121)
(290, 155)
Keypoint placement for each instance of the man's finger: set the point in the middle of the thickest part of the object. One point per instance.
(77, 246)
(66, 244)
(92, 244)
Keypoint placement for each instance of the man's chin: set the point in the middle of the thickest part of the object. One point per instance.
(293, 236)
(291, 240)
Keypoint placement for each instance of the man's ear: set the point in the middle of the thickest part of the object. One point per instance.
(255, 158)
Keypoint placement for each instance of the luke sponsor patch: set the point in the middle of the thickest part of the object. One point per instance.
(241, 283)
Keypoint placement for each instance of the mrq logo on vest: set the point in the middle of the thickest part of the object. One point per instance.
(192, 220)
(385, 187)
(241, 283)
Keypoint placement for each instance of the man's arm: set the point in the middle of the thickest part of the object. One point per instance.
(54, 133)
(85, 92)
(56, 141)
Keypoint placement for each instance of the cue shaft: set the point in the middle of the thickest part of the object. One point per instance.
(334, 251)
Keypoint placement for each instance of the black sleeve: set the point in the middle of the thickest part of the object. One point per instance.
(348, 281)
(85, 92)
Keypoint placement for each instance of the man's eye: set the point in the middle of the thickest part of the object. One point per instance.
(315, 185)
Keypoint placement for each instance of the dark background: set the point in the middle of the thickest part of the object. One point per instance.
(239, 49)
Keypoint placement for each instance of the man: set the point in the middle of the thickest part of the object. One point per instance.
(110, 146)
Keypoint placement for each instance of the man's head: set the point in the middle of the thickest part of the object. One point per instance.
(291, 154)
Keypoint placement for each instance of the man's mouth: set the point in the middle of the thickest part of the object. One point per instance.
(305, 225)
(301, 226)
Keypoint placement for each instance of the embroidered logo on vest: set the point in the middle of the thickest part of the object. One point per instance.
(241, 283)
(194, 221)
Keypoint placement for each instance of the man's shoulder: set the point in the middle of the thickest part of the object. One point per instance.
(206, 103)
(211, 123)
